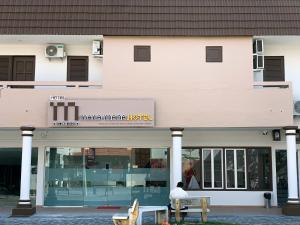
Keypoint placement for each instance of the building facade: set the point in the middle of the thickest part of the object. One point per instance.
(118, 101)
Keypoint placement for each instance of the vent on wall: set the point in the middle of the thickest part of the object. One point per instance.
(297, 108)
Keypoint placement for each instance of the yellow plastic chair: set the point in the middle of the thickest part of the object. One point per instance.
(127, 219)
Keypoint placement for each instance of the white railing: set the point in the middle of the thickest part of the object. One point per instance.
(71, 84)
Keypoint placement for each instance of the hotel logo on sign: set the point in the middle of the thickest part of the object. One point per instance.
(101, 113)
(69, 117)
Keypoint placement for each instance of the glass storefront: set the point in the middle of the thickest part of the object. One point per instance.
(106, 176)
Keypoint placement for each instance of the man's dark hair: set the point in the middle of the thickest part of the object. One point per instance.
(180, 184)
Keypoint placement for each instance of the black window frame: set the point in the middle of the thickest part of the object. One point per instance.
(11, 65)
(86, 77)
(247, 148)
(270, 188)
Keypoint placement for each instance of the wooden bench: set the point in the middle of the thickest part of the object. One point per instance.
(193, 205)
(127, 218)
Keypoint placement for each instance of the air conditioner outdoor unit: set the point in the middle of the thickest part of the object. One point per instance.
(97, 48)
(297, 108)
(258, 54)
(258, 46)
(55, 51)
(258, 62)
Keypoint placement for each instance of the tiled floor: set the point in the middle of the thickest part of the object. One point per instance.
(90, 216)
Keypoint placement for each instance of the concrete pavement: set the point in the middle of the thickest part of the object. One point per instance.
(92, 216)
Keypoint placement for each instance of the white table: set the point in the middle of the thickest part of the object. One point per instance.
(160, 213)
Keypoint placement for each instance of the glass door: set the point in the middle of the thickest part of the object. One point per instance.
(64, 177)
(106, 176)
(150, 176)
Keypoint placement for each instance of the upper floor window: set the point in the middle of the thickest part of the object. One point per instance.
(214, 54)
(274, 68)
(17, 68)
(142, 53)
(78, 68)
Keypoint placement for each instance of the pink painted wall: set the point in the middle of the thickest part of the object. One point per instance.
(188, 91)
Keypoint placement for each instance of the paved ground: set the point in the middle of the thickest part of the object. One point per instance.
(89, 216)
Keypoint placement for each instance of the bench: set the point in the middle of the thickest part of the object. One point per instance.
(193, 204)
(129, 218)
(161, 213)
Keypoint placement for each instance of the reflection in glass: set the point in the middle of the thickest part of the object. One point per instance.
(259, 169)
(235, 168)
(191, 168)
(64, 177)
(265, 161)
(105, 173)
(212, 168)
(150, 176)
(230, 181)
(207, 168)
(106, 176)
(218, 181)
(240, 157)
(253, 171)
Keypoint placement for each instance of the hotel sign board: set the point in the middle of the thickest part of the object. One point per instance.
(67, 112)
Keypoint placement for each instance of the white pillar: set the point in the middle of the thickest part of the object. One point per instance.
(24, 206)
(176, 169)
(293, 196)
(27, 134)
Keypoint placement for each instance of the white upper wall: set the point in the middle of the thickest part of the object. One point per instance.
(289, 47)
(54, 69)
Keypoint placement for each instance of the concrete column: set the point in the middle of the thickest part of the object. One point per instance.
(293, 205)
(176, 155)
(24, 207)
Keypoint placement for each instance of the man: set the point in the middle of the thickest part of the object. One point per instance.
(177, 193)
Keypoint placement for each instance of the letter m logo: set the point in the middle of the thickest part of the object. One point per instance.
(64, 111)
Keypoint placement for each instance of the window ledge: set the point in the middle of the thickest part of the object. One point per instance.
(71, 84)
(272, 84)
